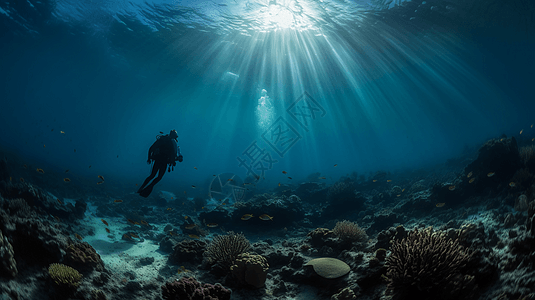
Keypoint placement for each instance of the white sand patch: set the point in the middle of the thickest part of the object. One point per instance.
(122, 256)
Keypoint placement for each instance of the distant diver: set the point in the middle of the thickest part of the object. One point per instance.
(164, 152)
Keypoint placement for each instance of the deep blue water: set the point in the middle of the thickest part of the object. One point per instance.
(390, 85)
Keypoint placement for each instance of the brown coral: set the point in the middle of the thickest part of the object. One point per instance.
(84, 257)
(188, 250)
(250, 269)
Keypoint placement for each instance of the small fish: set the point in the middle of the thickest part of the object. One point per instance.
(118, 201)
(202, 207)
(101, 177)
(402, 190)
(512, 184)
(40, 171)
(127, 237)
(184, 192)
(322, 177)
(59, 201)
(279, 184)
(190, 226)
(533, 139)
(136, 223)
(144, 223)
(74, 150)
(104, 221)
(89, 166)
(212, 225)
(24, 166)
(78, 236)
(171, 233)
(389, 180)
(375, 180)
(191, 186)
(469, 175)
(440, 204)
(10, 178)
(289, 177)
(521, 131)
(67, 171)
(223, 203)
(57, 218)
(490, 174)
(398, 195)
(21, 179)
(214, 175)
(44, 146)
(179, 271)
(451, 188)
(471, 180)
(284, 172)
(246, 217)
(62, 132)
(131, 222)
(194, 236)
(185, 217)
(335, 165)
(169, 209)
(107, 230)
(117, 156)
(161, 132)
(266, 217)
(66, 179)
(134, 235)
(230, 179)
(195, 168)
(100, 182)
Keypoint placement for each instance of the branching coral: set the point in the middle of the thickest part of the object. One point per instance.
(224, 249)
(427, 263)
(64, 275)
(349, 231)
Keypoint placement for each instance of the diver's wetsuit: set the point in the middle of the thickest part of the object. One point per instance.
(164, 151)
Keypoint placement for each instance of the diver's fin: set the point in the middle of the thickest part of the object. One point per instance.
(146, 191)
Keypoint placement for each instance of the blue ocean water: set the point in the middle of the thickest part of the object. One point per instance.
(255, 88)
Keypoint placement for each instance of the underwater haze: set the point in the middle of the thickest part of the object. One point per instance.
(365, 85)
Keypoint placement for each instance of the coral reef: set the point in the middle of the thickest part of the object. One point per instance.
(250, 269)
(9, 265)
(427, 264)
(188, 250)
(188, 288)
(83, 257)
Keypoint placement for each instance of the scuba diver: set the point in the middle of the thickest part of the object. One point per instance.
(164, 152)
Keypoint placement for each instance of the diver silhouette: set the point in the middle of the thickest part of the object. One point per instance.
(164, 152)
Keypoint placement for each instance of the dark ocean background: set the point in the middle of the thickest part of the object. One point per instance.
(402, 85)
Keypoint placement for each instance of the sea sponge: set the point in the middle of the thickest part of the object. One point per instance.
(7, 257)
(328, 267)
(250, 269)
(64, 275)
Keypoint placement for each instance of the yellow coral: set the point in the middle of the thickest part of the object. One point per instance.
(64, 275)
